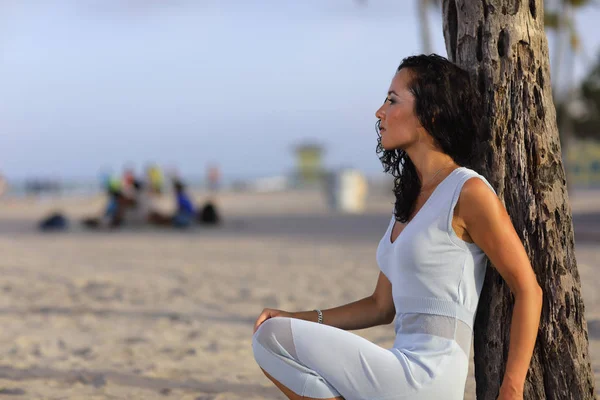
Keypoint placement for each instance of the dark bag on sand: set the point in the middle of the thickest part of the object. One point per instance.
(55, 222)
(208, 215)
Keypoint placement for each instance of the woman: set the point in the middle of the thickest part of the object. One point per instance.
(447, 221)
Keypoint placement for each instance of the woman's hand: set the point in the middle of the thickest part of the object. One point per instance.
(509, 392)
(270, 313)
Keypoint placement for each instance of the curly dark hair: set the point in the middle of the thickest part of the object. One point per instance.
(450, 109)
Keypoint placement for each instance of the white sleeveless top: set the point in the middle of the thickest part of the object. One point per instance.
(436, 277)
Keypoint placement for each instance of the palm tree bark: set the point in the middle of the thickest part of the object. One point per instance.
(503, 45)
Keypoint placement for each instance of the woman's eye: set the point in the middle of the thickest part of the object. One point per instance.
(389, 99)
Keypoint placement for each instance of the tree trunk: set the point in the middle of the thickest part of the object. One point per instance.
(503, 45)
(423, 10)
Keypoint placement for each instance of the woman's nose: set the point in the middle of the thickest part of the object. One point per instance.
(379, 114)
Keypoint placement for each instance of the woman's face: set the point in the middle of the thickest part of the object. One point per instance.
(399, 127)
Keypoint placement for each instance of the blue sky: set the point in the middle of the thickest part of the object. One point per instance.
(93, 84)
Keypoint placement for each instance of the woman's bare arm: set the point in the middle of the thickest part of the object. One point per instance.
(489, 225)
(377, 309)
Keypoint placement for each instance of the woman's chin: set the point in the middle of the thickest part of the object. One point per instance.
(388, 146)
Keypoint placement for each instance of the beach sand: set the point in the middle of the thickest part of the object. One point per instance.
(159, 314)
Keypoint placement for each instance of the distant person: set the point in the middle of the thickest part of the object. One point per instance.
(145, 209)
(155, 179)
(146, 205)
(127, 182)
(141, 205)
(213, 176)
(115, 209)
(446, 223)
(185, 212)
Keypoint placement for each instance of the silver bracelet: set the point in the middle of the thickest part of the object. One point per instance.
(320, 316)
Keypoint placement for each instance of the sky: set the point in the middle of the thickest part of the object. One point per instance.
(92, 85)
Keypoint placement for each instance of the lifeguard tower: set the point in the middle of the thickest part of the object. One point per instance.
(309, 165)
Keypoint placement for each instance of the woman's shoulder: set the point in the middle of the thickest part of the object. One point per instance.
(471, 180)
(477, 198)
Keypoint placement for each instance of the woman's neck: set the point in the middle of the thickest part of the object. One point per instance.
(430, 161)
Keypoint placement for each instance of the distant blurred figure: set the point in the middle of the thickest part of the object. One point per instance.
(114, 211)
(127, 182)
(155, 178)
(140, 209)
(184, 216)
(184, 213)
(213, 177)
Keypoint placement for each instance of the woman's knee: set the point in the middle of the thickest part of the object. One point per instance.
(275, 337)
(271, 331)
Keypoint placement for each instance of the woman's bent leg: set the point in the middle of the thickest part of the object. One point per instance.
(275, 352)
(320, 361)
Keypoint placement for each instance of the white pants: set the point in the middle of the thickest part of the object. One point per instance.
(320, 361)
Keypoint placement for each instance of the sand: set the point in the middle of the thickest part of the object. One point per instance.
(158, 314)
